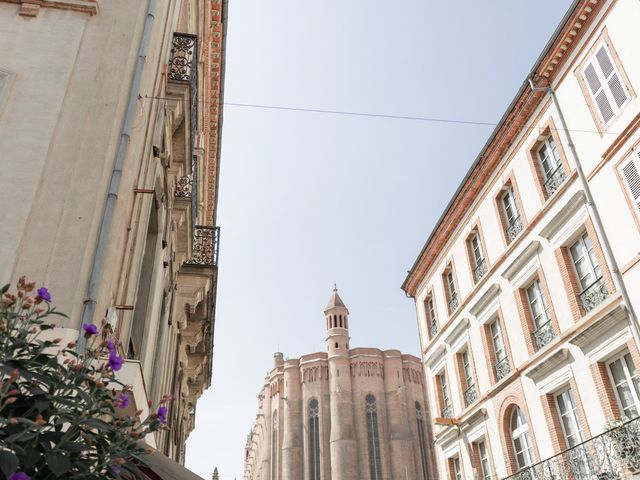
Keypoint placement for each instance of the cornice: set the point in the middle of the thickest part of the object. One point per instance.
(31, 8)
(554, 56)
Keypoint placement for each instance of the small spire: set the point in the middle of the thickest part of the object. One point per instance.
(215, 475)
(335, 301)
(335, 287)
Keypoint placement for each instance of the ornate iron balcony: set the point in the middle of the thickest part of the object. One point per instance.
(184, 187)
(514, 228)
(554, 180)
(614, 454)
(447, 411)
(454, 303)
(433, 328)
(470, 395)
(593, 295)
(543, 335)
(183, 56)
(206, 241)
(480, 270)
(503, 368)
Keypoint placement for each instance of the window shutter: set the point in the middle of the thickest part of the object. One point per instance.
(632, 177)
(597, 90)
(616, 87)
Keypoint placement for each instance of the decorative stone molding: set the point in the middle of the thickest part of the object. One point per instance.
(522, 269)
(31, 8)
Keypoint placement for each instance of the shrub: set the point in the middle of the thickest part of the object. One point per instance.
(62, 412)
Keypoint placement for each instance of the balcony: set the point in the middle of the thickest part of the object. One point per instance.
(433, 328)
(593, 295)
(480, 270)
(554, 180)
(183, 55)
(502, 368)
(514, 228)
(206, 241)
(184, 187)
(454, 303)
(470, 395)
(543, 335)
(614, 454)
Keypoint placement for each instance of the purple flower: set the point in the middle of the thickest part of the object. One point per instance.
(44, 294)
(20, 475)
(90, 329)
(115, 361)
(123, 400)
(162, 414)
(110, 346)
(116, 470)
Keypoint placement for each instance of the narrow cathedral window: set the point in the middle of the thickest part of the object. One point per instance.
(274, 447)
(421, 440)
(375, 467)
(314, 440)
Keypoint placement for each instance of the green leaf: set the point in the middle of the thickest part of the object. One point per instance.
(8, 462)
(31, 457)
(4, 289)
(58, 463)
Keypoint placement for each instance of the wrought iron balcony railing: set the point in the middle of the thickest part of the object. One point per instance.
(206, 241)
(543, 335)
(514, 228)
(480, 270)
(447, 411)
(614, 454)
(433, 329)
(503, 368)
(470, 394)
(184, 187)
(554, 180)
(453, 303)
(183, 56)
(593, 295)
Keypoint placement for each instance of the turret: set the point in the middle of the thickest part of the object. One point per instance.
(337, 321)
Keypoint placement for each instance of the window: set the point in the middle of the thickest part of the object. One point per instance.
(274, 447)
(451, 290)
(588, 272)
(627, 385)
(422, 441)
(483, 456)
(543, 329)
(432, 322)
(552, 169)
(457, 468)
(478, 263)
(502, 367)
(470, 393)
(513, 225)
(375, 466)
(444, 396)
(605, 84)
(569, 418)
(520, 439)
(314, 440)
(630, 172)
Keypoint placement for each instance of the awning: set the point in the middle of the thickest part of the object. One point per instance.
(157, 466)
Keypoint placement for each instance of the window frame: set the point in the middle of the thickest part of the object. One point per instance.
(591, 258)
(572, 414)
(486, 473)
(521, 432)
(315, 468)
(373, 437)
(635, 394)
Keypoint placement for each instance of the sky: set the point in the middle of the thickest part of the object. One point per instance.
(312, 199)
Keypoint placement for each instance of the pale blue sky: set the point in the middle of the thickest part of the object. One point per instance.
(310, 199)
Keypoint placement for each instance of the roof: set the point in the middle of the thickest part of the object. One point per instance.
(157, 466)
(334, 302)
(575, 22)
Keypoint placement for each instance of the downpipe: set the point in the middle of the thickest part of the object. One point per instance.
(618, 280)
(90, 301)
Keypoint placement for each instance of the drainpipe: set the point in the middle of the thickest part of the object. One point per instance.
(89, 308)
(595, 215)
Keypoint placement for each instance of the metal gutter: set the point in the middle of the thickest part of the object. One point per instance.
(89, 307)
(501, 123)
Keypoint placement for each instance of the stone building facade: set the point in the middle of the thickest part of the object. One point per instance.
(344, 414)
(110, 121)
(528, 288)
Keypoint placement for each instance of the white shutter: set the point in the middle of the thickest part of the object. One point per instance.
(605, 84)
(631, 172)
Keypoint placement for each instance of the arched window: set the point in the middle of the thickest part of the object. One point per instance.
(314, 440)
(520, 439)
(421, 440)
(274, 447)
(375, 467)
